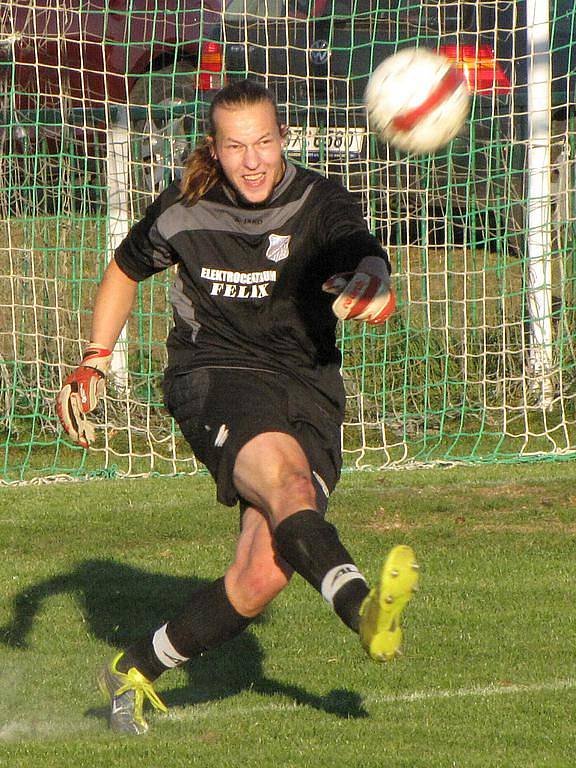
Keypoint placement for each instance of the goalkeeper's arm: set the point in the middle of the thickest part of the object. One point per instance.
(365, 294)
(85, 385)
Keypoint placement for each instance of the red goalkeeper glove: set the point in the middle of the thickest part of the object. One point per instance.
(365, 294)
(80, 394)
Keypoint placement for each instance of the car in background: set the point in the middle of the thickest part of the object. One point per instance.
(318, 60)
(74, 65)
(68, 67)
(85, 54)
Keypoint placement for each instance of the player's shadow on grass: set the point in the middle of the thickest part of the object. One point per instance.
(120, 604)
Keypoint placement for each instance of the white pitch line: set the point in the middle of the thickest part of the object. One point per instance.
(475, 692)
(210, 709)
(18, 730)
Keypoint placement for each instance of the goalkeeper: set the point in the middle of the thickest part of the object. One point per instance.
(268, 256)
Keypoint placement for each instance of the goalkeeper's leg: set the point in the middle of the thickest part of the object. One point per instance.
(273, 472)
(215, 613)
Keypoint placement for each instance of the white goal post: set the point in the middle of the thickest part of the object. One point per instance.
(479, 361)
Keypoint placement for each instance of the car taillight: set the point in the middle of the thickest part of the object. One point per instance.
(479, 66)
(211, 70)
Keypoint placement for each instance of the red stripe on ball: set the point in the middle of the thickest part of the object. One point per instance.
(451, 81)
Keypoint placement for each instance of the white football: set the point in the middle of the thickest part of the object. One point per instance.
(417, 101)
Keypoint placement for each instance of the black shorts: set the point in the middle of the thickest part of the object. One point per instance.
(220, 409)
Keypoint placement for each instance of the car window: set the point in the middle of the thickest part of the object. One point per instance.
(256, 7)
(275, 8)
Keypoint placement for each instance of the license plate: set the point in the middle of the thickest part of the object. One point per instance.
(312, 142)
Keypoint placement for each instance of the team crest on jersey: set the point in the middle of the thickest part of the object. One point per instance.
(278, 248)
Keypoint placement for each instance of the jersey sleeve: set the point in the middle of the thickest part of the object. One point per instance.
(344, 233)
(144, 251)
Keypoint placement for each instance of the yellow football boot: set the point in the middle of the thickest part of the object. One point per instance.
(380, 631)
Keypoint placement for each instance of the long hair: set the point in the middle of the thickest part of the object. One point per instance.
(202, 169)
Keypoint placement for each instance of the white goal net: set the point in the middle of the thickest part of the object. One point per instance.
(100, 104)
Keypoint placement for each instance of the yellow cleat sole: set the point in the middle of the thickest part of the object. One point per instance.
(380, 630)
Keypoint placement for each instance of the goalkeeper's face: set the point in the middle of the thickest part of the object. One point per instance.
(248, 144)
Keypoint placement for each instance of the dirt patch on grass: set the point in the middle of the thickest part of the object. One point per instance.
(516, 507)
(497, 490)
(544, 527)
(531, 517)
(385, 522)
(517, 490)
(462, 524)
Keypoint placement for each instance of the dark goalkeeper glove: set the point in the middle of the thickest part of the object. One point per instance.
(81, 392)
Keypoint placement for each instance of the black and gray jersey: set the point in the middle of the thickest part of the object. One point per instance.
(248, 279)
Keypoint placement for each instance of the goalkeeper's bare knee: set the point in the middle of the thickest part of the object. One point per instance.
(252, 588)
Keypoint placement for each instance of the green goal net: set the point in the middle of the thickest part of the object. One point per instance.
(100, 104)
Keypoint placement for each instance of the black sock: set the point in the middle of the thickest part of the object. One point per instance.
(347, 602)
(207, 621)
(312, 547)
(141, 655)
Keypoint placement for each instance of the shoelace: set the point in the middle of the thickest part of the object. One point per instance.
(143, 688)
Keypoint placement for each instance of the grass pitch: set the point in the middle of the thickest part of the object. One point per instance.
(488, 675)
